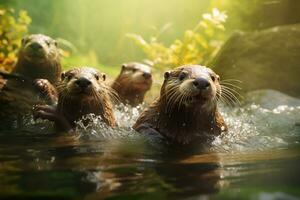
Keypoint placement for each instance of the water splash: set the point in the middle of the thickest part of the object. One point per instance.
(255, 128)
(251, 127)
(97, 129)
(125, 116)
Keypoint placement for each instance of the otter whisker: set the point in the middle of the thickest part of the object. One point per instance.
(227, 101)
(174, 96)
(230, 98)
(170, 91)
(172, 99)
(225, 91)
(186, 97)
(180, 100)
(224, 100)
(112, 94)
(231, 94)
(232, 85)
(231, 80)
(231, 90)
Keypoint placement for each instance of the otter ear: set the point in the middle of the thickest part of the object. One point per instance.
(167, 74)
(24, 40)
(124, 66)
(104, 77)
(62, 76)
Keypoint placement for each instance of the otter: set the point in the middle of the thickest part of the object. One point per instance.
(33, 79)
(133, 82)
(81, 91)
(186, 110)
(39, 58)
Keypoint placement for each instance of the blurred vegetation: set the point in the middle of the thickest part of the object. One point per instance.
(88, 59)
(101, 25)
(197, 46)
(259, 14)
(13, 26)
(98, 28)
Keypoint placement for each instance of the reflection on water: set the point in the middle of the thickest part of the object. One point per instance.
(259, 158)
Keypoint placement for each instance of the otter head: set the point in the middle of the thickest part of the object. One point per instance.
(83, 91)
(82, 83)
(38, 48)
(192, 86)
(137, 76)
(38, 58)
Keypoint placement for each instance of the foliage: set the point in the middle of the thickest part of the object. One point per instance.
(13, 26)
(89, 59)
(258, 14)
(197, 45)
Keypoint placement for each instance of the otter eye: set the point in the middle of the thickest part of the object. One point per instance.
(48, 42)
(212, 78)
(182, 76)
(55, 43)
(69, 77)
(218, 77)
(63, 75)
(66, 76)
(97, 77)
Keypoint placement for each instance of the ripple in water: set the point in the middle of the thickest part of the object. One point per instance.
(251, 127)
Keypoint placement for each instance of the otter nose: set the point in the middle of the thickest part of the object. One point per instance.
(83, 82)
(201, 83)
(35, 46)
(147, 75)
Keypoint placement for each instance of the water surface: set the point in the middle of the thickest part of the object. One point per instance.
(258, 159)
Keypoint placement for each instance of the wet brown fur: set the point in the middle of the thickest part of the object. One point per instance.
(40, 69)
(125, 85)
(47, 68)
(98, 102)
(182, 123)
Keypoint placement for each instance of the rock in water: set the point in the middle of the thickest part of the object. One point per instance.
(268, 59)
(271, 99)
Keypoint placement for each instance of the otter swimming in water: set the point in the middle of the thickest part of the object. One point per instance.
(133, 82)
(186, 110)
(32, 81)
(81, 91)
(39, 57)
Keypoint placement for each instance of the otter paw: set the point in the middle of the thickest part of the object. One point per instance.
(46, 90)
(45, 112)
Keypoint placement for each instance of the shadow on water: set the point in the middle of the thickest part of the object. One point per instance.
(257, 159)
